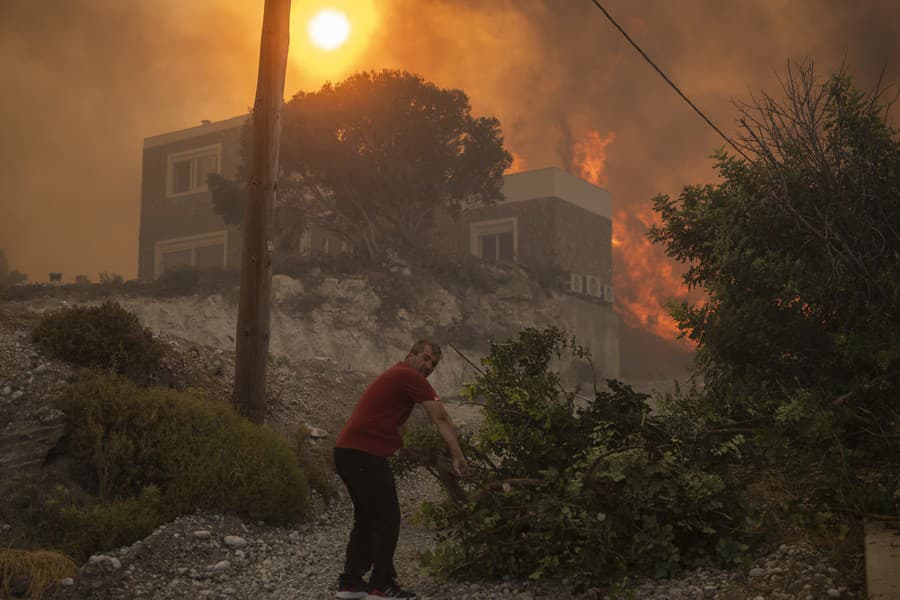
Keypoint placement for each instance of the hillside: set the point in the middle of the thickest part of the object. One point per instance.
(218, 556)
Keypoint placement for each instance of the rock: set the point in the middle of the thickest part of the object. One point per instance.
(101, 563)
(222, 565)
(234, 541)
(202, 534)
(757, 572)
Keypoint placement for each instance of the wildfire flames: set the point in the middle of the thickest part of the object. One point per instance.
(518, 163)
(589, 156)
(644, 278)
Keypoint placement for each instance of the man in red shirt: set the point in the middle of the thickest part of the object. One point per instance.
(372, 434)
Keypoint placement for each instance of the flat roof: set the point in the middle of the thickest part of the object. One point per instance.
(192, 132)
(552, 182)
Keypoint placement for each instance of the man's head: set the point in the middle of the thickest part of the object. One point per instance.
(423, 357)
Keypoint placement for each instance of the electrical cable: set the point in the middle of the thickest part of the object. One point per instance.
(669, 81)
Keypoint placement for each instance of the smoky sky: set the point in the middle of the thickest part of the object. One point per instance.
(86, 80)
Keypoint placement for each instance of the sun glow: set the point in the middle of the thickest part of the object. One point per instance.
(329, 29)
(329, 38)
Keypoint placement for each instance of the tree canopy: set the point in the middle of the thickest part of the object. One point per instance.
(798, 252)
(373, 157)
(7, 277)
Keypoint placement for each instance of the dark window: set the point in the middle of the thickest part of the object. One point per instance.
(173, 260)
(204, 166)
(497, 246)
(505, 246)
(181, 176)
(210, 256)
(489, 247)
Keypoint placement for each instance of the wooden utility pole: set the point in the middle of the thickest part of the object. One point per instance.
(252, 336)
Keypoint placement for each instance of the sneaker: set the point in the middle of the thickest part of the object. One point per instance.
(392, 591)
(348, 590)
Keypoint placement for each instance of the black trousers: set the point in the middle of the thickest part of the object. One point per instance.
(376, 515)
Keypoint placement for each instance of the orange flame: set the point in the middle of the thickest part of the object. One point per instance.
(518, 163)
(644, 278)
(589, 156)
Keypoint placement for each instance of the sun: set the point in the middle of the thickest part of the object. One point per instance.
(329, 29)
(330, 38)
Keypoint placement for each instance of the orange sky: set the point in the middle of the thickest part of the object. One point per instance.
(86, 80)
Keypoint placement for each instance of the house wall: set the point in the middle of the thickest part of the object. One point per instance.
(596, 327)
(583, 241)
(165, 218)
(552, 233)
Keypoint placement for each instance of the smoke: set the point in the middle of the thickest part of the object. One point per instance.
(87, 80)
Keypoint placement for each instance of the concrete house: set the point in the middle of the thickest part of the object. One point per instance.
(549, 220)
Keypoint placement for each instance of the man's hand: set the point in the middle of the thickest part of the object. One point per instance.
(460, 467)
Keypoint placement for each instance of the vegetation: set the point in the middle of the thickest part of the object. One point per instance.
(9, 278)
(798, 253)
(372, 159)
(105, 337)
(148, 455)
(36, 570)
(583, 490)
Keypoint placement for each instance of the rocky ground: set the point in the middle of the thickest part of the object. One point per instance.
(220, 556)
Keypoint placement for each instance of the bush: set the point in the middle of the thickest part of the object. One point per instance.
(105, 337)
(35, 571)
(81, 528)
(585, 494)
(153, 454)
(203, 281)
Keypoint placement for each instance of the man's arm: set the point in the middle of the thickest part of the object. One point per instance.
(441, 419)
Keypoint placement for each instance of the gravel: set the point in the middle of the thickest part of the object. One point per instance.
(213, 556)
(219, 556)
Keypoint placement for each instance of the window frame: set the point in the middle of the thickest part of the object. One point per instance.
(190, 242)
(191, 155)
(477, 229)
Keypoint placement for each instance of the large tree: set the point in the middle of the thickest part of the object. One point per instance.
(798, 252)
(373, 157)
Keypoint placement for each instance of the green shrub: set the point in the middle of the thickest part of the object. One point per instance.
(81, 529)
(105, 337)
(200, 454)
(588, 493)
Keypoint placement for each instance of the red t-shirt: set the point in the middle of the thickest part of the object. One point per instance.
(383, 408)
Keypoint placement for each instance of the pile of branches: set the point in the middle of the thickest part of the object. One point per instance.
(584, 490)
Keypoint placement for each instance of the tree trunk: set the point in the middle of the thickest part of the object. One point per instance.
(252, 336)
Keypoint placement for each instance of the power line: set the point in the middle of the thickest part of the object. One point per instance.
(669, 81)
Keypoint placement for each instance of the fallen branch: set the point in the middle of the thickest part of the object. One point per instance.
(440, 466)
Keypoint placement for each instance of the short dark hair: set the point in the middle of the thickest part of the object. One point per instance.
(420, 345)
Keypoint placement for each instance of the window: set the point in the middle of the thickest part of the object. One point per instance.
(188, 171)
(205, 251)
(494, 240)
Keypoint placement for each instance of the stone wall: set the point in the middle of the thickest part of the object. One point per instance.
(347, 321)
